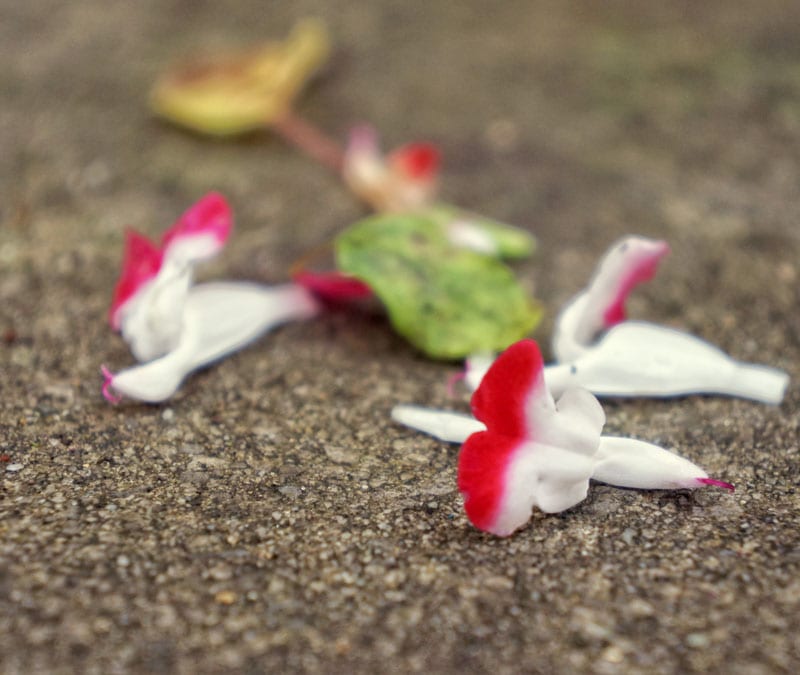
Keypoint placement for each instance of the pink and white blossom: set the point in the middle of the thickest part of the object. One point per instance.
(523, 449)
(174, 327)
(597, 348)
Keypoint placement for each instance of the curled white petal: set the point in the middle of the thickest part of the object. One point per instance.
(218, 319)
(627, 263)
(152, 321)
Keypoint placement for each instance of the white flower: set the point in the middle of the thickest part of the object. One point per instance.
(526, 450)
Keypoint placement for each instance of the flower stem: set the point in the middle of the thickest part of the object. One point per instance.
(310, 140)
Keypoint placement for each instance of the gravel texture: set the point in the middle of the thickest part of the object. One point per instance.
(271, 518)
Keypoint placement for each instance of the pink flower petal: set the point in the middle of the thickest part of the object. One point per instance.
(140, 263)
(333, 286)
(640, 263)
(201, 231)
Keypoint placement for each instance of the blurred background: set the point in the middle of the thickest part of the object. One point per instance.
(580, 121)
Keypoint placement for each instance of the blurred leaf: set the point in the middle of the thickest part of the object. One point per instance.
(224, 95)
(448, 301)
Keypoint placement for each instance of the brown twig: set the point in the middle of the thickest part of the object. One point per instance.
(310, 140)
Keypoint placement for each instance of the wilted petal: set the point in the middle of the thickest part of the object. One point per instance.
(405, 180)
(149, 297)
(637, 359)
(224, 95)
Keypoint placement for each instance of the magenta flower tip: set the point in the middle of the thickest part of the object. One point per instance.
(108, 385)
(716, 483)
(454, 379)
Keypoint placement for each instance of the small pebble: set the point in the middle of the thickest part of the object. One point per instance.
(225, 597)
(697, 640)
(13, 468)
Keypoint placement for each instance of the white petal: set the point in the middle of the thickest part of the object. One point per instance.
(152, 321)
(641, 359)
(549, 477)
(469, 235)
(219, 318)
(447, 426)
(626, 462)
(475, 368)
(625, 264)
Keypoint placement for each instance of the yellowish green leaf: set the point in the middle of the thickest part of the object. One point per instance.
(225, 95)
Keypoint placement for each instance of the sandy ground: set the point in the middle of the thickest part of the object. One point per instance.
(271, 518)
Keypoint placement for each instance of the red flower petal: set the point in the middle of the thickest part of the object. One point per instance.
(333, 286)
(505, 392)
(483, 465)
(417, 161)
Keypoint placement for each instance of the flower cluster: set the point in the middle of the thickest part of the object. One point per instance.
(522, 449)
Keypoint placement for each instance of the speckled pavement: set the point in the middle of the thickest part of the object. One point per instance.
(271, 518)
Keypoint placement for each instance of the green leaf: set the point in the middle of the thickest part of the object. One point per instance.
(448, 301)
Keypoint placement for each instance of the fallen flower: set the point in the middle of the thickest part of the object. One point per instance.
(406, 180)
(525, 450)
(175, 328)
(148, 299)
(601, 305)
(634, 358)
(218, 318)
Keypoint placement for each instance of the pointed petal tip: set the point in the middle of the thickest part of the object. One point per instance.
(713, 482)
(108, 385)
(453, 380)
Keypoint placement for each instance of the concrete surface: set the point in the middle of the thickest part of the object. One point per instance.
(271, 518)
